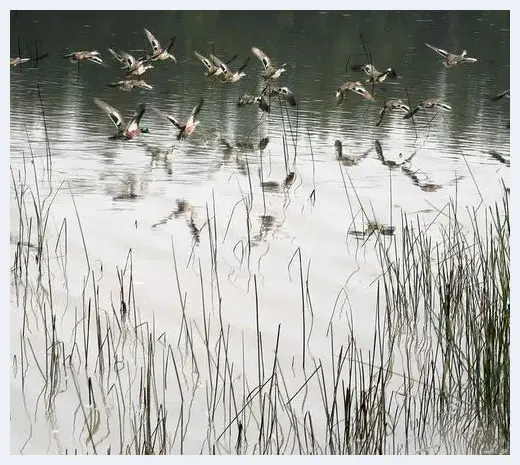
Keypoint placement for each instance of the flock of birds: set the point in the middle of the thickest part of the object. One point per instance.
(219, 69)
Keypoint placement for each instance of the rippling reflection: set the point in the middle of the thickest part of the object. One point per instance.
(258, 179)
(51, 97)
(298, 159)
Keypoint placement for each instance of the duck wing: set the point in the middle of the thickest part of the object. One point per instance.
(133, 124)
(410, 113)
(156, 46)
(260, 54)
(360, 90)
(118, 56)
(170, 44)
(288, 94)
(389, 73)
(195, 112)
(204, 60)
(220, 64)
(443, 105)
(96, 59)
(114, 115)
(170, 118)
(244, 65)
(129, 59)
(263, 104)
(440, 51)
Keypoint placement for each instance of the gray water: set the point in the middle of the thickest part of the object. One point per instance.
(126, 192)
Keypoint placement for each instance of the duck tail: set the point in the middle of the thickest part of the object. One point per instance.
(444, 106)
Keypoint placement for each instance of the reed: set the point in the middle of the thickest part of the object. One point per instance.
(436, 372)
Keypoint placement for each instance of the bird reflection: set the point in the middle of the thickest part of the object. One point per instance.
(160, 155)
(241, 147)
(274, 186)
(500, 158)
(373, 227)
(267, 225)
(391, 163)
(186, 210)
(131, 188)
(424, 186)
(409, 173)
(289, 179)
(348, 160)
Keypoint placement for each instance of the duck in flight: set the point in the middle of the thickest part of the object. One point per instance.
(93, 56)
(228, 75)
(355, 87)
(284, 93)
(270, 71)
(125, 131)
(375, 76)
(134, 67)
(18, 61)
(428, 103)
(452, 59)
(128, 84)
(213, 69)
(249, 100)
(191, 123)
(160, 53)
(392, 105)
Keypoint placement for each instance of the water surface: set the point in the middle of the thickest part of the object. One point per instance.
(126, 193)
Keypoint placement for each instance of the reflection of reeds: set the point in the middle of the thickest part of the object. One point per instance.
(437, 366)
(459, 377)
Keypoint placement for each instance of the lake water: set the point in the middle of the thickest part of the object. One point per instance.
(126, 195)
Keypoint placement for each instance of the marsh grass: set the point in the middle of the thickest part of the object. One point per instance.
(435, 378)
